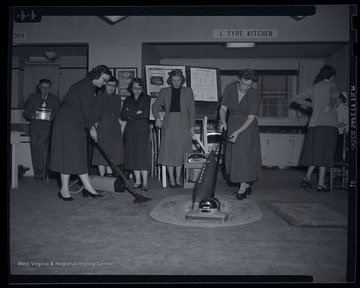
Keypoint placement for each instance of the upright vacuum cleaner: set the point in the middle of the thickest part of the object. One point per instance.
(205, 205)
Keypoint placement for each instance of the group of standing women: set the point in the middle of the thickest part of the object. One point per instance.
(100, 115)
(239, 107)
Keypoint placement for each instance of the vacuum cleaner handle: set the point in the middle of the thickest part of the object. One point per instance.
(217, 162)
(138, 197)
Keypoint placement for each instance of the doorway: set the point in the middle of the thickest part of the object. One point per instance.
(30, 64)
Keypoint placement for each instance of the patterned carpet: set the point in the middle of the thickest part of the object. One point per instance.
(310, 214)
(174, 209)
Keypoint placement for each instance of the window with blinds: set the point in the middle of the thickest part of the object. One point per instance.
(276, 89)
(275, 92)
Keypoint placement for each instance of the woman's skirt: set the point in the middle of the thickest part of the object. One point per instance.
(113, 143)
(175, 142)
(319, 146)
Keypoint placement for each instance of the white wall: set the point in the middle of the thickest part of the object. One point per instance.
(119, 45)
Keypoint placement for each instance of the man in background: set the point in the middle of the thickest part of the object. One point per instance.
(40, 110)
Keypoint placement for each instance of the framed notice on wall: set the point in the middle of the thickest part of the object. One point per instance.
(205, 83)
(156, 76)
(124, 76)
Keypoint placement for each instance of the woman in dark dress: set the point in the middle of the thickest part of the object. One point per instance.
(136, 111)
(69, 141)
(107, 109)
(243, 156)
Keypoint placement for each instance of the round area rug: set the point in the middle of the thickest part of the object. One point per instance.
(174, 209)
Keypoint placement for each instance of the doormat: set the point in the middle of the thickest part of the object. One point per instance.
(173, 210)
(310, 214)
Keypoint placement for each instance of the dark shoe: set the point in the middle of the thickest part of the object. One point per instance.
(248, 191)
(127, 175)
(320, 188)
(178, 185)
(173, 186)
(136, 186)
(241, 196)
(305, 183)
(65, 198)
(86, 193)
(108, 175)
(145, 188)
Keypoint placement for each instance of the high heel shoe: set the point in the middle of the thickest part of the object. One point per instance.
(305, 183)
(65, 198)
(145, 188)
(173, 186)
(241, 196)
(86, 193)
(247, 191)
(320, 188)
(136, 186)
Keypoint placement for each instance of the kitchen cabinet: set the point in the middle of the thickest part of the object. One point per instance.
(281, 150)
(24, 154)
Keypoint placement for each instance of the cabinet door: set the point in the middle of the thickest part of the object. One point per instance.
(297, 144)
(263, 147)
(279, 150)
(17, 85)
(24, 157)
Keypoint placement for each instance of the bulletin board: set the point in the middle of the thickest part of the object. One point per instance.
(205, 83)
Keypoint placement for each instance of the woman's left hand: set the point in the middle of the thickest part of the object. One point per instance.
(234, 136)
(192, 131)
(93, 133)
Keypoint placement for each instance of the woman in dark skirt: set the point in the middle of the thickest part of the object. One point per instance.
(69, 139)
(178, 125)
(107, 108)
(136, 111)
(242, 153)
(320, 141)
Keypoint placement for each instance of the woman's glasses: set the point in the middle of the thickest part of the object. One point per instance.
(105, 80)
(111, 85)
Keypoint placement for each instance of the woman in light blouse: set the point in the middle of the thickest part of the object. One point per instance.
(178, 125)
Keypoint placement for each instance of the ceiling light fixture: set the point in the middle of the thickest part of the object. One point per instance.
(240, 45)
(112, 19)
(298, 18)
(50, 54)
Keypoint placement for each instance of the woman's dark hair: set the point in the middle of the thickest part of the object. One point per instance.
(175, 72)
(96, 72)
(248, 74)
(113, 79)
(137, 80)
(326, 72)
(342, 97)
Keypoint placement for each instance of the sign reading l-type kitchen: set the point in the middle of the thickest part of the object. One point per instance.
(245, 33)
